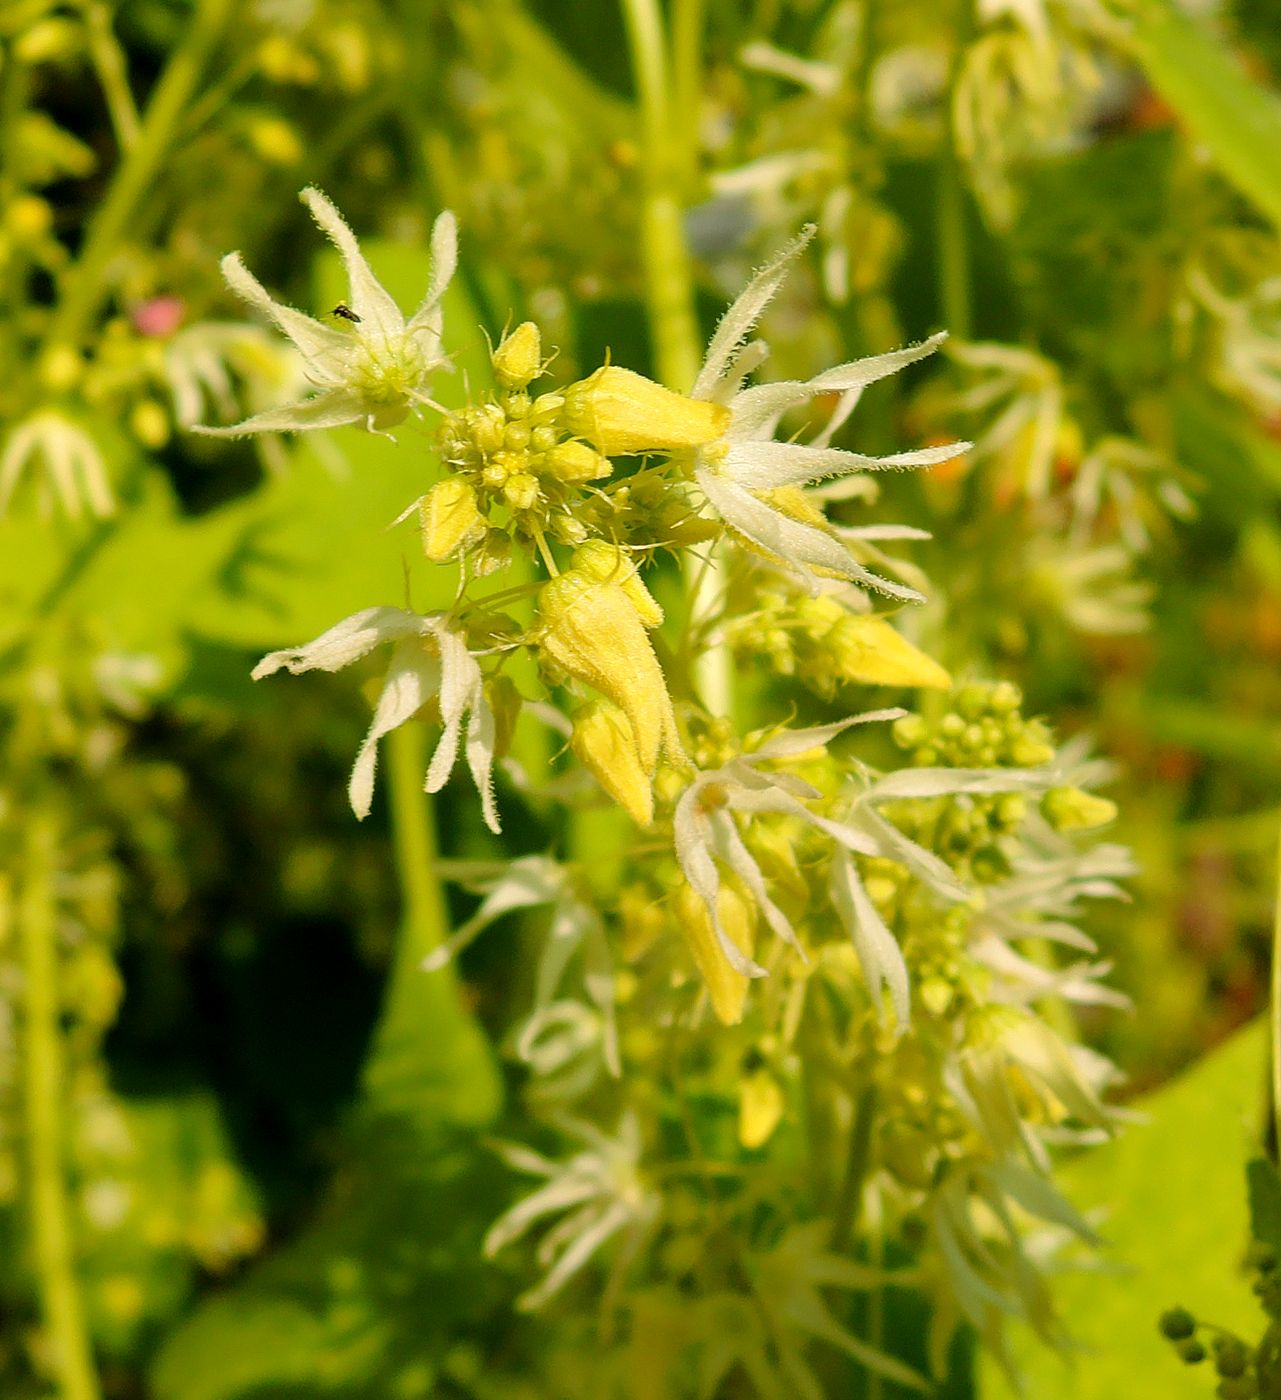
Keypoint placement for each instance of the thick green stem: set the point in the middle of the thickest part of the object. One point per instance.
(135, 177)
(44, 1098)
(429, 1060)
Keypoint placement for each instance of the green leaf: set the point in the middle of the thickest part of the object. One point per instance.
(1174, 1223)
(1236, 118)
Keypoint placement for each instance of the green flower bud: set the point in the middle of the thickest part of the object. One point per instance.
(1176, 1324)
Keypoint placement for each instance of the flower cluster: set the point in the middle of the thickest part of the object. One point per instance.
(796, 923)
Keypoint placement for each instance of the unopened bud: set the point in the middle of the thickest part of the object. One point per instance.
(520, 491)
(619, 411)
(607, 563)
(573, 462)
(869, 650)
(517, 359)
(603, 742)
(450, 519)
(1071, 809)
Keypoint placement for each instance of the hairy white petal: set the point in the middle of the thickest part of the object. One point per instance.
(412, 679)
(761, 465)
(334, 408)
(878, 951)
(743, 314)
(378, 313)
(313, 338)
(344, 642)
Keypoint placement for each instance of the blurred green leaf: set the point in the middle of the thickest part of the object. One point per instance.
(1236, 118)
(1175, 1222)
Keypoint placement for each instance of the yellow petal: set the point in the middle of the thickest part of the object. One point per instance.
(450, 519)
(619, 411)
(869, 650)
(726, 987)
(603, 742)
(760, 1108)
(592, 631)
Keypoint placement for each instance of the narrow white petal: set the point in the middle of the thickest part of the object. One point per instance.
(444, 263)
(412, 679)
(312, 337)
(557, 1195)
(370, 301)
(460, 682)
(333, 409)
(343, 643)
(878, 951)
(788, 742)
(576, 1256)
(480, 759)
(743, 314)
(761, 465)
(802, 547)
(730, 847)
(858, 374)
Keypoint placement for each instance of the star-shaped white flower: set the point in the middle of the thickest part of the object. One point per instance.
(429, 659)
(375, 368)
(735, 471)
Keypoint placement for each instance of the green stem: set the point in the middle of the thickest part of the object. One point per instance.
(44, 1096)
(109, 64)
(135, 177)
(687, 89)
(953, 232)
(669, 279)
(849, 1199)
(1274, 1017)
(417, 851)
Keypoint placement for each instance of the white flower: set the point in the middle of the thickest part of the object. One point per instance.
(430, 659)
(376, 367)
(734, 471)
(601, 1188)
(76, 473)
(707, 836)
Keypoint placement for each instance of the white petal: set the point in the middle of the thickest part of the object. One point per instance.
(333, 409)
(788, 742)
(460, 687)
(412, 679)
(744, 313)
(878, 951)
(369, 299)
(343, 643)
(313, 338)
(761, 465)
(803, 547)
(444, 262)
(480, 759)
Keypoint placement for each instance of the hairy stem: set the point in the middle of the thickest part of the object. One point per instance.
(44, 1098)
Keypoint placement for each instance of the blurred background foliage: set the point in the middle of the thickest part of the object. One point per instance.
(269, 1134)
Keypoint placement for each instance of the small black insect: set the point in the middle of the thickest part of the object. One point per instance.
(346, 313)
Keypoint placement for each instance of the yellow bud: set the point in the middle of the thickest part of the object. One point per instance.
(604, 743)
(516, 361)
(796, 505)
(60, 368)
(760, 1108)
(275, 141)
(726, 987)
(619, 411)
(574, 461)
(450, 519)
(29, 218)
(149, 424)
(869, 650)
(520, 491)
(606, 563)
(1071, 809)
(592, 631)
